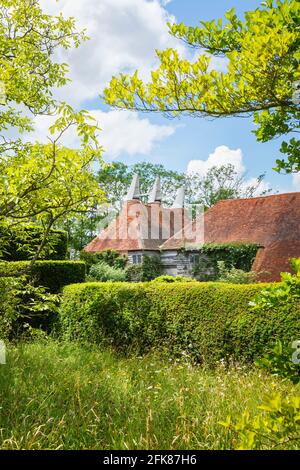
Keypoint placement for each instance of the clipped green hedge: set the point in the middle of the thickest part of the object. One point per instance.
(207, 321)
(20, 243)
(53, 275)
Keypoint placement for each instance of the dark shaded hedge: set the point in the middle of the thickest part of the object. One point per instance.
(23, 305)
(20, 243)
(207, 321)
(8, 306)
(53, 275)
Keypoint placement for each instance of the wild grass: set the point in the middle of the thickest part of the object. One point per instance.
(63, 396)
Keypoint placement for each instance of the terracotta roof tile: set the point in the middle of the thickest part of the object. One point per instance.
(138, 227)
(271, 221)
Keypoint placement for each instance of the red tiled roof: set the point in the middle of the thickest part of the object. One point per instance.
(272, 222)
(138, 227)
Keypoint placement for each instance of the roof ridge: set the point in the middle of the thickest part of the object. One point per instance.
(256, 197)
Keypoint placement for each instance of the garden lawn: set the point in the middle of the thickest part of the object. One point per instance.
(63, 396)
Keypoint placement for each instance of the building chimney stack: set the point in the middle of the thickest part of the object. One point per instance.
(155, 194)
(134, 190)
(179, 200)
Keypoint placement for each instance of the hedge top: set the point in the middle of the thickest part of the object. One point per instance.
(207, 321)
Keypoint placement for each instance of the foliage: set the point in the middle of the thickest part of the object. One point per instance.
(277, 426)
(151, 267)
(151, 403)
(104, 272)
(21, 243)
(166, 278)
(234, 275)
(110, 257)
(116, 177)
(28, 38)
(257, 77)
(279, 361)
(282, 299)
(45, 183)
(277, 422)
(281, 296)
(22, 305)
(207, 321)
(134, 273)
(220, 183)
(234, 255)
(8, 306)
(53, 275)
(148, 269)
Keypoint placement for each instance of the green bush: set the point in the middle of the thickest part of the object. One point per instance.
(279, 301)
(20, 243)
(24, 306)
(149, 269)
(206, 321)
(167, 278)
(8, 306)
(103, 272)
(236, 276)
(134, 273)
(234, 255)
(110, 257)
(53, 275)
(276, 425)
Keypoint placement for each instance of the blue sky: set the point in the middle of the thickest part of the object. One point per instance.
(196, 138)
(124, 35)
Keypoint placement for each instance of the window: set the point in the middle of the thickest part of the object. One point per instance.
(137, 259)
(194, 258)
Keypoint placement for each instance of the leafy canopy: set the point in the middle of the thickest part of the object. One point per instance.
(41, 183)
(261, 67)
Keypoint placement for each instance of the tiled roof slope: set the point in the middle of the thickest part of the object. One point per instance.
(271, 221)
(131, 231)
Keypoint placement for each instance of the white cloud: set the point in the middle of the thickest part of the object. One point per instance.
(296, 181)
(123, 37)
(123, 132)
(222, 155)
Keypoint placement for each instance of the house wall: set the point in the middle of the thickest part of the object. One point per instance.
(141, 252)
(174, 262)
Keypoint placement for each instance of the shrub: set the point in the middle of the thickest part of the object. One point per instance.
(283, 361)
(234, 255)
(104, 272)
(134, 273)
(277, 421)
(22, 305)
(279, 301)
(167, 278)
(149, 269)
(8, 306)
(235, 276)
(20, 243)
(53, 275)
(207, 321)
(276, 426)
(110, 257)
